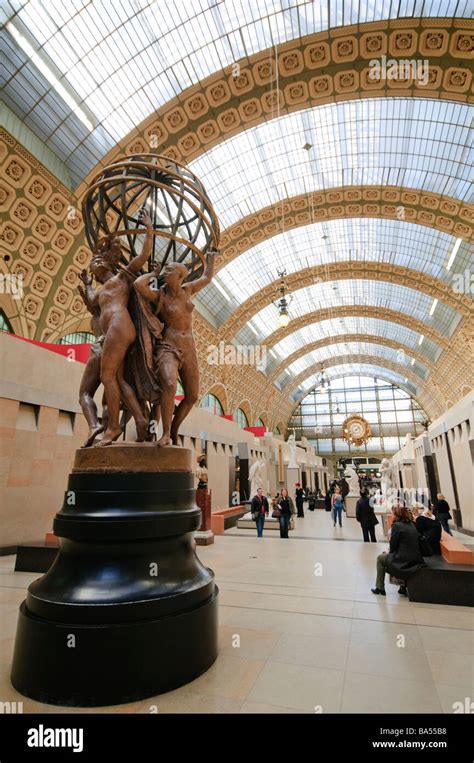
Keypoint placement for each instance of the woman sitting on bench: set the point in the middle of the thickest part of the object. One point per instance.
(404, 557)
(428, 525)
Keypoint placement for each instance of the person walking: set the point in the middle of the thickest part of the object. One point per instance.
(259, 510)
(286, 507)
(443, 513)
(299, 497)
(337, 505)
(365, 515)
(404, 557)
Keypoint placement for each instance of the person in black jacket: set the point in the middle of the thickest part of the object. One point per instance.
(428, 525)
(259, 509)
(366, 517)
(404, 558)
(443, 513)
(299, 498)
(285, 504)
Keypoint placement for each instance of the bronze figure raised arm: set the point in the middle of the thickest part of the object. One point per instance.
(118, 329)
(175, 351)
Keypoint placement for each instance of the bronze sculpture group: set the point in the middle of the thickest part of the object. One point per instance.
(144, 342)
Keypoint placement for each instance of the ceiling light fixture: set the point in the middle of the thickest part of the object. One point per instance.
(420, 340)
(284, 301)
(323, 382)
(433, 306)
(45, 70)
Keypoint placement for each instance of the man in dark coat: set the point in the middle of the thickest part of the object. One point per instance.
(404, 558)
(443, 513)
(299, 498)
(259, 509)
(366, 517)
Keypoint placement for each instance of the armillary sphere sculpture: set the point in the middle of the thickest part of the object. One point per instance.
(154, 234)
(154, 237)
(184, 223)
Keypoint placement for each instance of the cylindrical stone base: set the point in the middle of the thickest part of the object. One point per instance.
(127, 610)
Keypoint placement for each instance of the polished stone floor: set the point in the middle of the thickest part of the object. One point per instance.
(300, 632)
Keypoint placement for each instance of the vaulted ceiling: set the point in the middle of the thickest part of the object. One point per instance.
(359, 187)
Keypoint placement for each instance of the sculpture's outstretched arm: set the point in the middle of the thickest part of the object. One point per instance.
(206, 278)
(135, 265)
(89, 295)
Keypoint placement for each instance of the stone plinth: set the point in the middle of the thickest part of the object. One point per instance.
(350, 502)
(127, 610)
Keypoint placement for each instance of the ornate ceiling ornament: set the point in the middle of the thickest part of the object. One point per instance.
(356, 430)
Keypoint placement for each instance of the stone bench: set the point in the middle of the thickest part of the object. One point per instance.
(442, 582)
(224, 518)
(455, 552)
(247, 523)
(35, 557)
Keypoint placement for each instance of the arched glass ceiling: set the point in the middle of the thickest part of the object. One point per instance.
(415, 143)
(383, 294)
(340, 327)
(123, 60)
(338, 350)
(352, 369)
(375, 240)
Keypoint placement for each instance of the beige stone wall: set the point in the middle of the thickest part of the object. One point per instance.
(457, 424)
(41, 425)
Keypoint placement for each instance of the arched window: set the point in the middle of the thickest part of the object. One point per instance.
(259, 423)
(5, 323)
(77, 337)
(276, 430)
(212, 403)
(391, 412)
(240, 418)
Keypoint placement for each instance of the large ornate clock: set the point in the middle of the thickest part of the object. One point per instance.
(356, 430)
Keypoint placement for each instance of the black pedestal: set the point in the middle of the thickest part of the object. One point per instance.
(127, 610)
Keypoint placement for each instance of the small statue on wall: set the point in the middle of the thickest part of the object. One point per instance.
(386, 478)
(256, 476)
(202, 473)
(292, 463)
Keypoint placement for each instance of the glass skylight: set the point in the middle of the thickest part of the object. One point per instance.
(373, 240)
(123, 60)
(409, 142)
(352, 369)
(332, 294)
(341, 327)
(335, 351)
